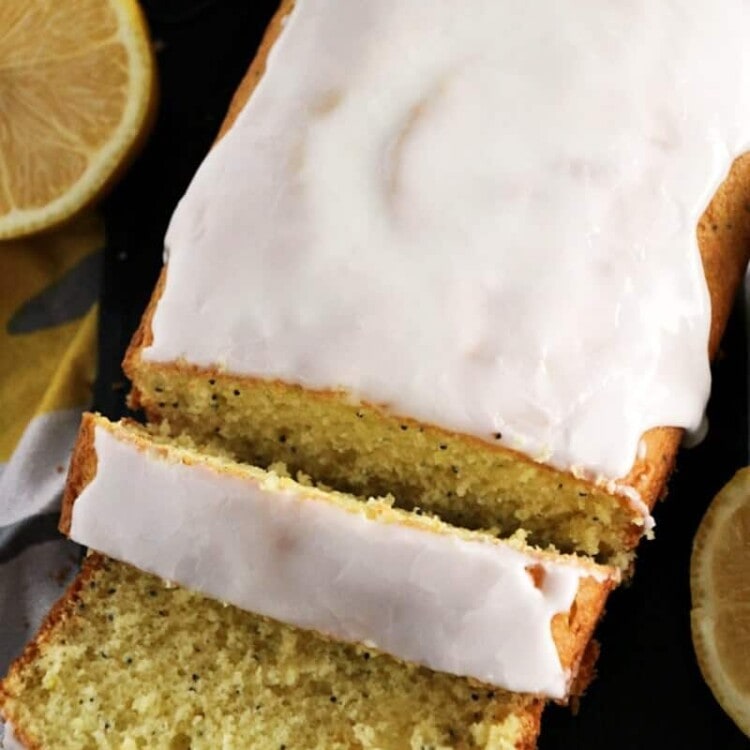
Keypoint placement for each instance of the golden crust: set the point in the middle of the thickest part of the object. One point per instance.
(573, 631)
(586, 673)
(81, 471)
(532, 724)
(724, 240)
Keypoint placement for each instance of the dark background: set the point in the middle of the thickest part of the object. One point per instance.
(649, 693)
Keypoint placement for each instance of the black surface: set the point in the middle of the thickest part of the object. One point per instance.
(649, 693)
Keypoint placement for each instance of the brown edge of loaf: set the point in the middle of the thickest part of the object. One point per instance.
(531, 721)
(571, 631)
(586, 673)
(724, 255)
(61, 610)
(83, 466)
(81, 471)
(65, 607)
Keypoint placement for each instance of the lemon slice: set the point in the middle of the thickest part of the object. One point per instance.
(720, 587)
(76, 95)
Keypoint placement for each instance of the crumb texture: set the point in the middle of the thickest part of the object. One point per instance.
(362, 450)
(128, 662)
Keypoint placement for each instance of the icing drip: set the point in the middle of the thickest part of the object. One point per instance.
(481, 218)
(468, 606)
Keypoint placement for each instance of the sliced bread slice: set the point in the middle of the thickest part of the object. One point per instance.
(364, 572)
(127, 661)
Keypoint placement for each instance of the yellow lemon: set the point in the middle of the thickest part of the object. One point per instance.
(720, 587)
(76, 97)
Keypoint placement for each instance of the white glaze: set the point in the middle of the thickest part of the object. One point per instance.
(480, 215)
(464, 606)
(10, 741)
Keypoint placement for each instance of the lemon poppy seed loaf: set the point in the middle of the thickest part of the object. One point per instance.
(331, 301)
(436, 312)
(126, 661)
(358, 570)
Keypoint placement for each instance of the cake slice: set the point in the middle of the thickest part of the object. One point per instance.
(360, 571)
(345, 287)
(126, 661)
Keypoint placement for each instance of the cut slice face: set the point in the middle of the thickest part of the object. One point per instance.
(720, 586)
(76, 93)
(357, 570)
(127, 661)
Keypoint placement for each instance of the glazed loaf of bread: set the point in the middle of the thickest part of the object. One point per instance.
(271, 401)
(354, 569)
(126, 661)
(436, 311)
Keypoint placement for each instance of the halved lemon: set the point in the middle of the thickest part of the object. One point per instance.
(76, 98)
(720, 587)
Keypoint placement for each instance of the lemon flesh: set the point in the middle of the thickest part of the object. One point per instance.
(76, 94)
(720, 588)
